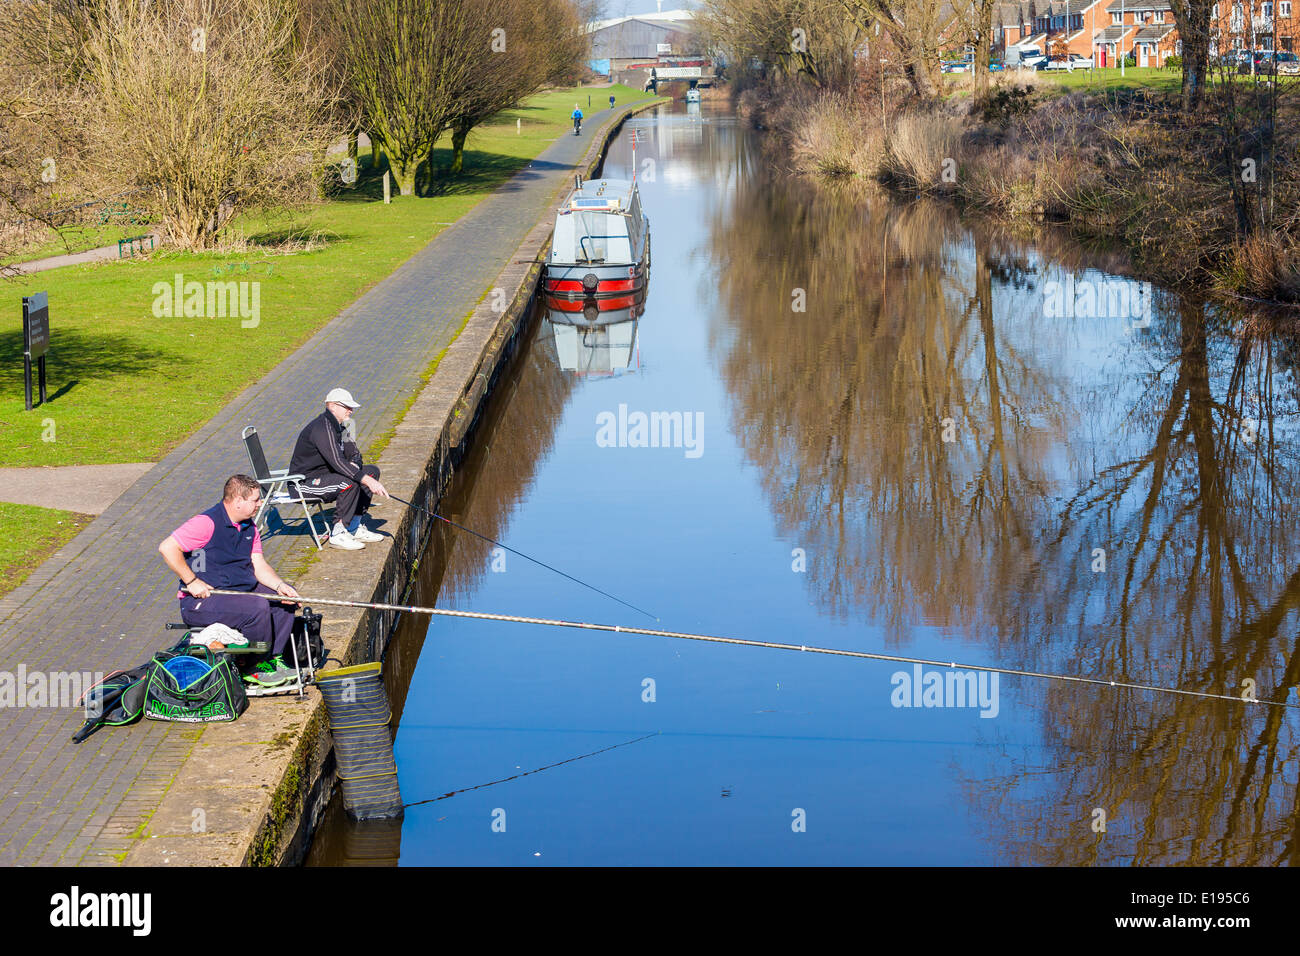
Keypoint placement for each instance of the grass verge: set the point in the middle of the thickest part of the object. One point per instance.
(32, 535)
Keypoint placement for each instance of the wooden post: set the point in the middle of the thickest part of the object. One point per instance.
(388, 195)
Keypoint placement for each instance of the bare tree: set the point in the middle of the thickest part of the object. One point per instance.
(408, 62)
(38, 141)
(916, 28)
(529, 45)
(199, 109)
(814, 39)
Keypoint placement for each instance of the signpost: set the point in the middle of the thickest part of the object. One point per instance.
(36, 341)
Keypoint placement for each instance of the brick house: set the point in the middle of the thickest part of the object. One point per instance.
(1254, 25)
(1143, 28)
(1042, 25)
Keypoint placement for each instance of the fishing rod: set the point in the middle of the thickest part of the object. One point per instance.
(714, 639)
(461, 527)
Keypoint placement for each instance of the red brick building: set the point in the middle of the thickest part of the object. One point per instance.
(1143, 28)
(1108, 29)
(1257, 25)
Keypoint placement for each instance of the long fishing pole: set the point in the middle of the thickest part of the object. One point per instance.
(461, 527)
(682, 635)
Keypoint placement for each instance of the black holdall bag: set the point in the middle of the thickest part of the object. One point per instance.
(216, 694)
(115, 701)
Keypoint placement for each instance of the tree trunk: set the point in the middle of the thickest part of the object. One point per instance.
(1192, 18)
(922, 83)
(459, 131)
(914, 68)
(983, 48)
(404, 169)
(1196, 69)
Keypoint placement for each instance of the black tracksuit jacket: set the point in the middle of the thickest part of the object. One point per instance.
(321, 448)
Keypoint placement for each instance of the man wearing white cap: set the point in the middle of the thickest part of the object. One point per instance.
(328, 457)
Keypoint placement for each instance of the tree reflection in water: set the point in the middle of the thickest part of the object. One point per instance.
(1169, 452)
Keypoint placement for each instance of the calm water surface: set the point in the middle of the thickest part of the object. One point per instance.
(927, 460)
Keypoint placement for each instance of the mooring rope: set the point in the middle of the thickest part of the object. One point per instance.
(715, 639)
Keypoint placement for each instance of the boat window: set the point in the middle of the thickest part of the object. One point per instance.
(592, 230)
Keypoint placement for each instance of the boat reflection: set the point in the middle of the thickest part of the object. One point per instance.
(595, 336)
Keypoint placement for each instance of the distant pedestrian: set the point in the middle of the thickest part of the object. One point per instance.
(611, 100)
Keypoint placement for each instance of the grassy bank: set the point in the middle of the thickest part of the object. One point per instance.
(1206, 200)
(32, 535)
(126, 385)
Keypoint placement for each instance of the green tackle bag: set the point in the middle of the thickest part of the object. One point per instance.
(197, 687)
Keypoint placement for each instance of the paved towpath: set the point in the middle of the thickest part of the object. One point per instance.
(85, 489)
(100, 603)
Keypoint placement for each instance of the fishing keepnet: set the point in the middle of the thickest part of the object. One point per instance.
(359, 715)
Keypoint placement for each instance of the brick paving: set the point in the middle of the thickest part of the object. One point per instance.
(101, 602)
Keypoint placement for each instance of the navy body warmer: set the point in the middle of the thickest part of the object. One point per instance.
(227, 559)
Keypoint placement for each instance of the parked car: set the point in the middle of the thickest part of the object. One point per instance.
(996, 66)
(1269, 62)
(1071, 62)
(956, 66)
(1031, 61)
(1233, 59)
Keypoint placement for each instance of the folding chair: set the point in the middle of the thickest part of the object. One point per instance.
(279, 487)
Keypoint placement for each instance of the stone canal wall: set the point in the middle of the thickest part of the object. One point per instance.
(264, 781)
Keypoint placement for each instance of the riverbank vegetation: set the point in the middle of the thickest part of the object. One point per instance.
(1196, 174)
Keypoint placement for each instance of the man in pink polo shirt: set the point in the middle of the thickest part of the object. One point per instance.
(222, 549)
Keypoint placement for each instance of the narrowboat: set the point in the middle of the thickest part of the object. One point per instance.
(601, 242)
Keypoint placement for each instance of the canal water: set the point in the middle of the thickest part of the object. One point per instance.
(909, 435)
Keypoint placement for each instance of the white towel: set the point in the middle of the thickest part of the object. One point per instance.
(219, 634)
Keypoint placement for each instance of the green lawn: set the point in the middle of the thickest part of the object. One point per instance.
(32, 535)
(126, 385)
(1108, 78)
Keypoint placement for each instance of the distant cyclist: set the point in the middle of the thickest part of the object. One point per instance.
(577, 120)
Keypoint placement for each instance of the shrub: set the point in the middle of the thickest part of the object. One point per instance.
(921, 148)
(1005, 103)
(1262, 265)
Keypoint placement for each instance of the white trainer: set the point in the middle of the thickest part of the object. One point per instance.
(365, 534)
(341, 539)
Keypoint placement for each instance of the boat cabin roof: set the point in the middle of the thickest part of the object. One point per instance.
(602, 195)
